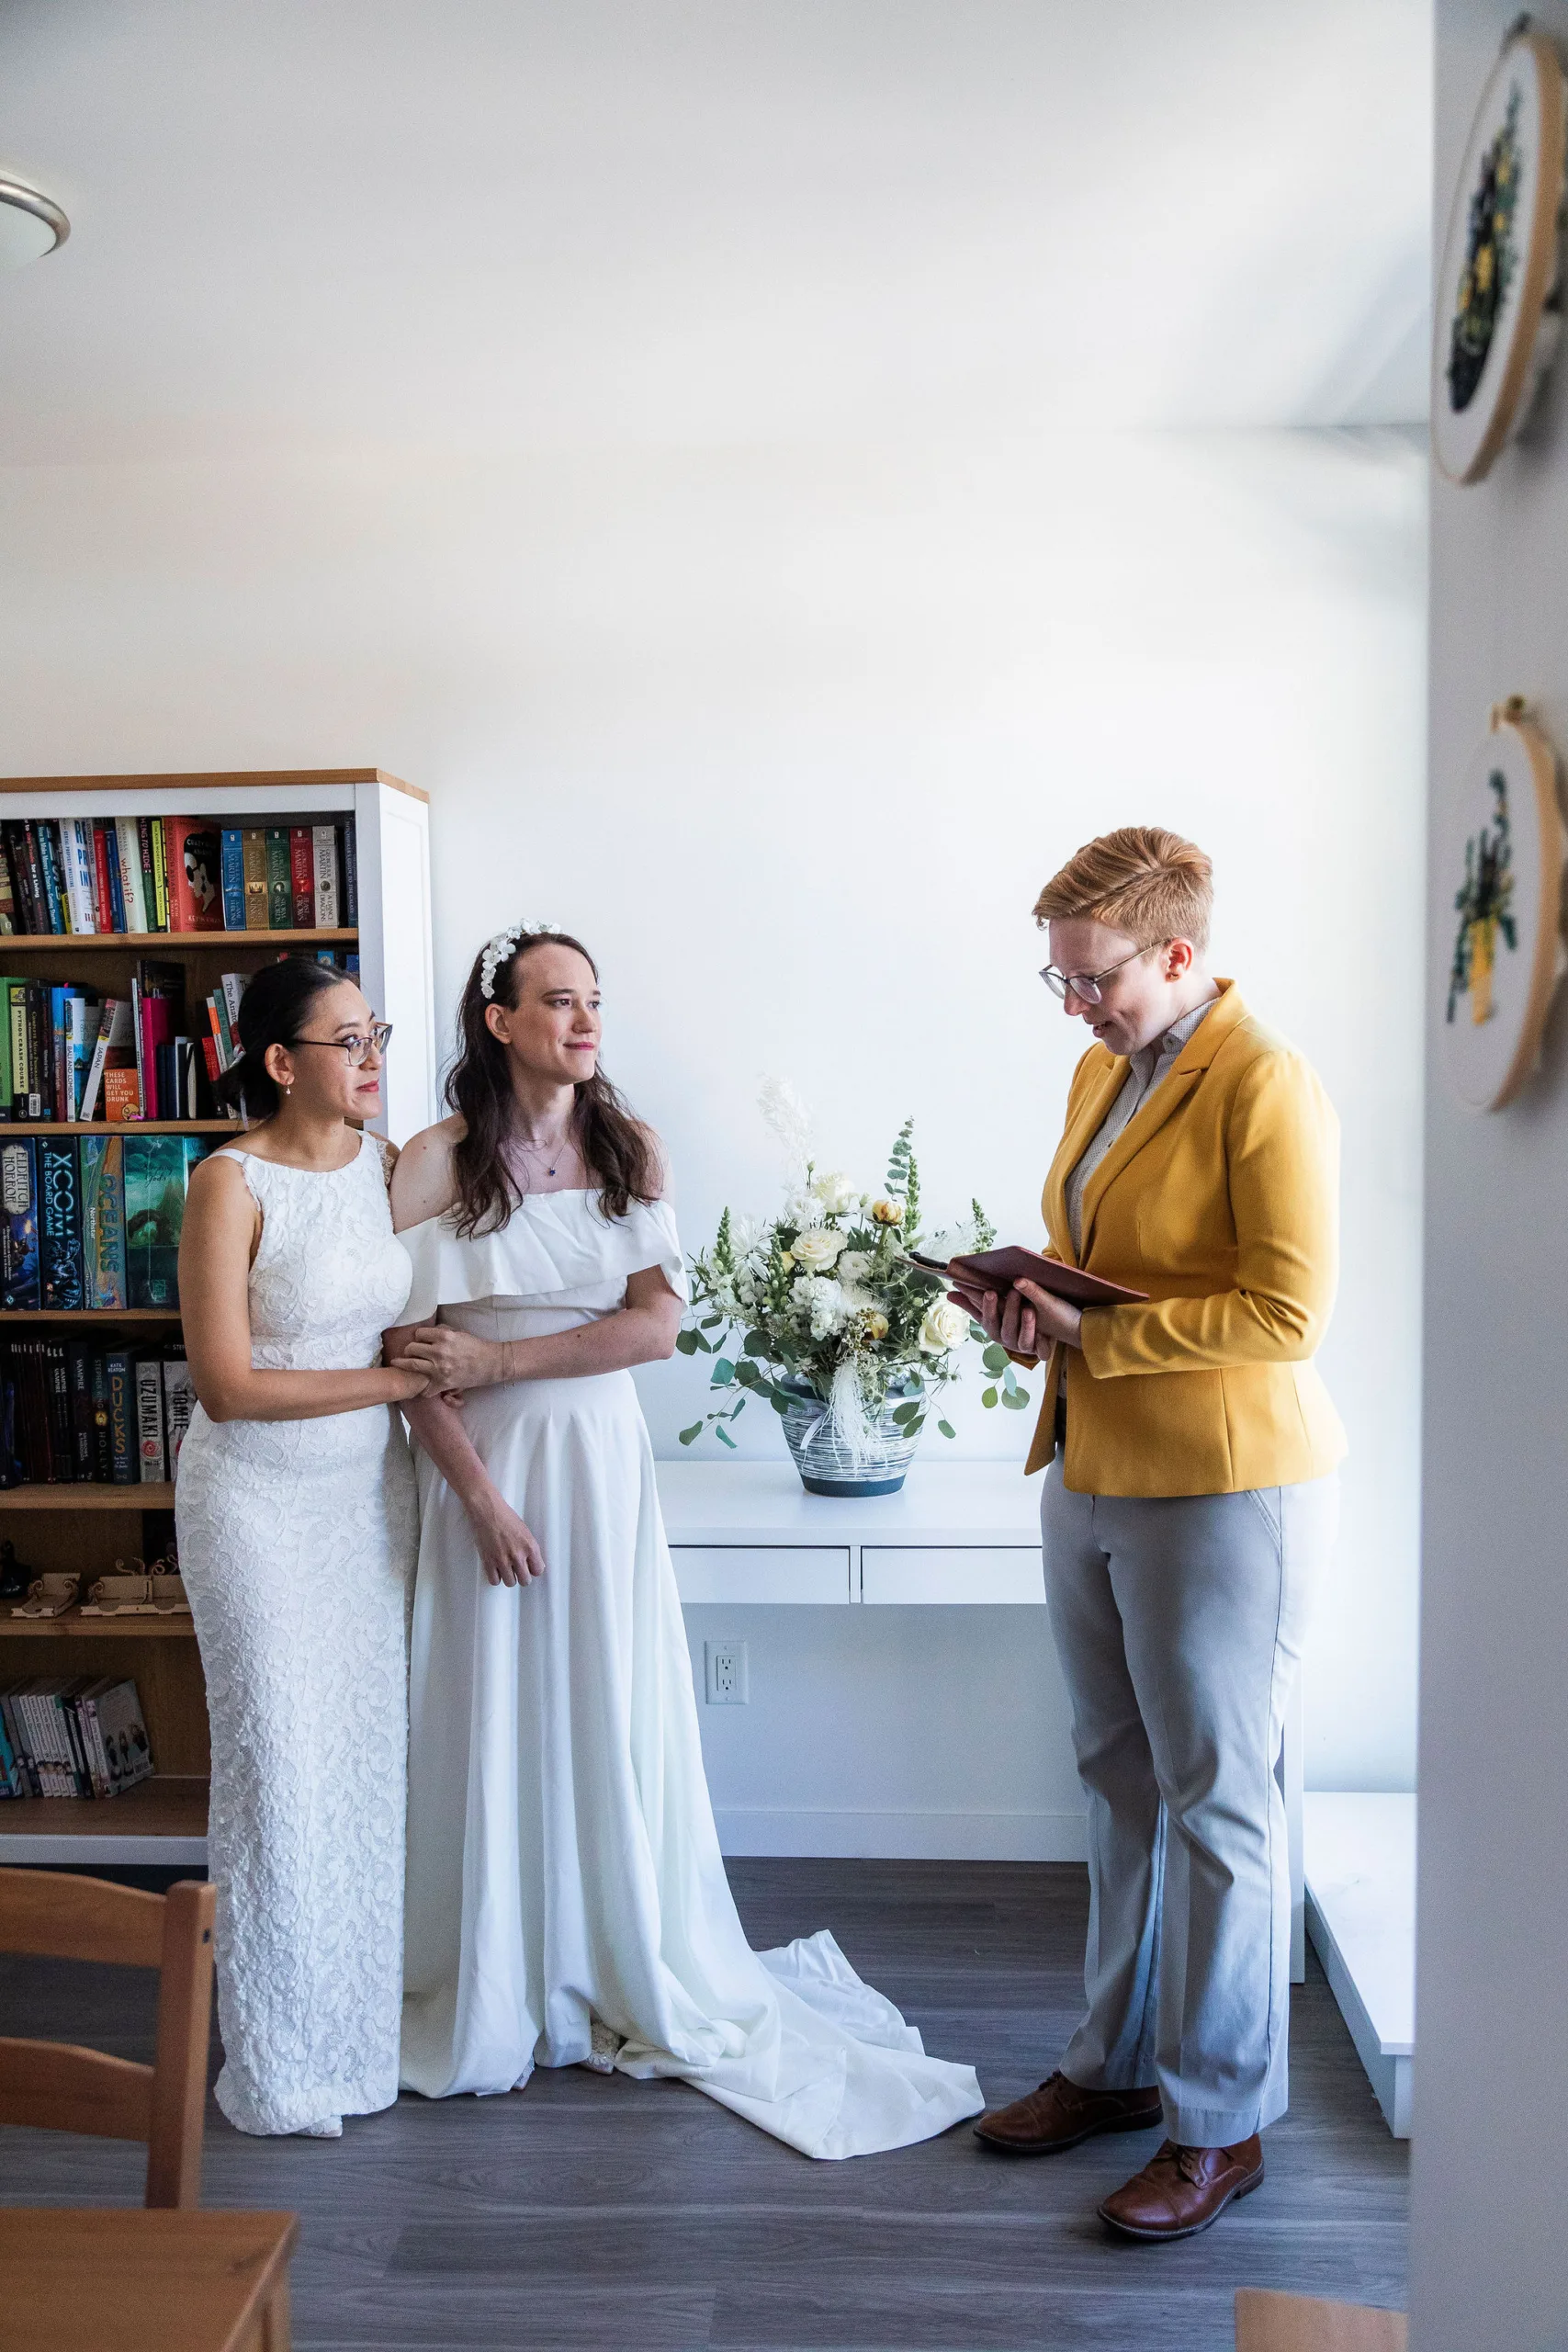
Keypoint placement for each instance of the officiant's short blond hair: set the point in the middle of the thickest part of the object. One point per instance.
(1141, 880)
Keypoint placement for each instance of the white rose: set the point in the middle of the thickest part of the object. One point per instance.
(817, 1249)
(887, 1212)
(944, 1327)
(836, 1194)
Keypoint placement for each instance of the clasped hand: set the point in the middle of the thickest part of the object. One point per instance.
(1028, 1322)
(452, 1360)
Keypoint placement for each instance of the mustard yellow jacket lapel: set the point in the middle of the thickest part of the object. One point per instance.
(1220, 1201)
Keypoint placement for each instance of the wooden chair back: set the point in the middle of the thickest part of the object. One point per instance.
(58, 2086)
(1265, 2322)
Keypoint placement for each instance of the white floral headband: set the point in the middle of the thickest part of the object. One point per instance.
(501, 949)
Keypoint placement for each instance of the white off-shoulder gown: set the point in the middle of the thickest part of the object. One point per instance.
(563, 1864)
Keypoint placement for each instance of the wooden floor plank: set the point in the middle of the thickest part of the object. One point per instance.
(593, 2211)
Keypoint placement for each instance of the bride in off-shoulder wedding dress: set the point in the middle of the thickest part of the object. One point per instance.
(567, 1900)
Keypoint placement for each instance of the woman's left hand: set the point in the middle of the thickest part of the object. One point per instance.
(452, 1361)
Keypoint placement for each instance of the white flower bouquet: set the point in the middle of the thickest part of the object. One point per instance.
(829, 1306)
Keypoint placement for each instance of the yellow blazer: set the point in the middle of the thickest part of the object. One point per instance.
(1220, 1198)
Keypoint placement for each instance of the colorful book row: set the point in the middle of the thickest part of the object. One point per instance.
(76, 1414)
(71, 1736)
(93, 1221)
(65, 875)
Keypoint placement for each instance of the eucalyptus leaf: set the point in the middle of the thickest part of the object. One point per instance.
(987, 1397)
(688, 1342)
(694, 1431)
(996, 1359)
(947, 1429)
(723, 1436)
(1016, 1398)
(723, 1372)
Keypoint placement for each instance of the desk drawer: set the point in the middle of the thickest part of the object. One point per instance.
(775, 1572)
(1001, 1572)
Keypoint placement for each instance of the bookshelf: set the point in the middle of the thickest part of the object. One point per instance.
(87, 1528)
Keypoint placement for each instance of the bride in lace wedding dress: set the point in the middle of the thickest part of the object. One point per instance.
(567, 1900)
(296, 1516)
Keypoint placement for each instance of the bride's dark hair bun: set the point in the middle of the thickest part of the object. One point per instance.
(274, 1011)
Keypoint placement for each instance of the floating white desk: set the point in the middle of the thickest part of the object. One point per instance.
(957, 1532)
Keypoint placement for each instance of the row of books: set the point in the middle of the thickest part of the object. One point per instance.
(93, 1221)
(72, 1413)
(139, 874)
(71, 1736)
(68, 1053)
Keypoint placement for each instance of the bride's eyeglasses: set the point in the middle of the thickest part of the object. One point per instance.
(376, 1042)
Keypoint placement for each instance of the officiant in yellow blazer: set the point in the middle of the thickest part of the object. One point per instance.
(1189, 1502)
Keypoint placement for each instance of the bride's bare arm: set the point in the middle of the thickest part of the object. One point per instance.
(508, 1552)
(642, 1331)
(216, 1248)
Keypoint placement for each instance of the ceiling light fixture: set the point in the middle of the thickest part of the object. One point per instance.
(30, 224)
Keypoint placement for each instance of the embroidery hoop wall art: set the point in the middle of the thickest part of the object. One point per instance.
(1500, 877)
(1496, 321)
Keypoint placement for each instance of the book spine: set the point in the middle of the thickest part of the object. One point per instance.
(182, 905)
(21, 1745)
(151, 1454)
(61, 1442)
(16, 1009)
(128, 840)
(124, 1452)
(93, 1741)
(302, 871)
(144, 853)
(103, 1220)
(60, 1184)
(349, 853)
(106, 845)
(179, 1404)
(233, 990)
(98, 1394)
(10, 914)
(279, 879)
(47, 834)
(325, 845)
(11, 1781)
(37, 890)
(76, 834)
(40, 1059)
(18, 1226)
(14, 838)
(158, 834)
(79, 1367)
(74, 1757)
(60, 1052)
(253, 845)
(233, 853)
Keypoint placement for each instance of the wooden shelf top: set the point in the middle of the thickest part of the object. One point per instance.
(120, 1127)
(94, 1315)
(191, 780)
(159, 943)
(147, 1494)
(163, 1806)
(74, 1627)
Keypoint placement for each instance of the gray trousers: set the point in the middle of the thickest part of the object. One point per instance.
(1179, 1623)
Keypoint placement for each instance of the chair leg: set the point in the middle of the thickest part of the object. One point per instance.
(275, 2335)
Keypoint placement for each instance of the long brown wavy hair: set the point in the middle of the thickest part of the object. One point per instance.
(617, 1148)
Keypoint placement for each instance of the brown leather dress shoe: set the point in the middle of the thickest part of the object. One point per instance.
(1181, 2190)
(1058, 2115)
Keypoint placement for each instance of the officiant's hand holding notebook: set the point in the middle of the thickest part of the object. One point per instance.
(999, 1269)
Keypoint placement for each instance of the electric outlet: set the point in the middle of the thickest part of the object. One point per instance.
(724, 1664)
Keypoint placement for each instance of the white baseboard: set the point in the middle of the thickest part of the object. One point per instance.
(902, 1836)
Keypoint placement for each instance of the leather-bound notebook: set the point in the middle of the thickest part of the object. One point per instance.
(997, 1269)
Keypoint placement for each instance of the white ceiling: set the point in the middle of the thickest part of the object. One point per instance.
(533, 224)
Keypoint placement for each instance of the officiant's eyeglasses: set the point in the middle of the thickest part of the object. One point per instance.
(355, 1049)
(1086, 985)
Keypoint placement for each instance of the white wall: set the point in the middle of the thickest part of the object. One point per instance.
(1490, 2265)
(794, 737)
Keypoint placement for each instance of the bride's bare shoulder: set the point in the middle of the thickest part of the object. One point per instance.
(423, 1183)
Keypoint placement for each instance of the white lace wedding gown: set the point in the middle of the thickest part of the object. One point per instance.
(297, 1542)
(563, 1863)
